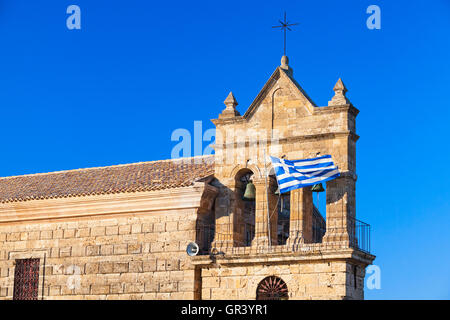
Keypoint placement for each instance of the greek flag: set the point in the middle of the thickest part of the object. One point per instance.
(297, 174)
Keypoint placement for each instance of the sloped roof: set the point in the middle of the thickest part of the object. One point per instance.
(143, 176)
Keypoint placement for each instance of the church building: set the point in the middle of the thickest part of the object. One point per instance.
(207, 227)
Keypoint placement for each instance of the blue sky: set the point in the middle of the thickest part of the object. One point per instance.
(114, 91)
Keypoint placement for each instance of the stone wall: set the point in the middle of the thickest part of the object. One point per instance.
(140, 257)
(305, 281)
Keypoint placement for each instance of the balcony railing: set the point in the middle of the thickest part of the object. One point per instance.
(356, 234)
(361, 235)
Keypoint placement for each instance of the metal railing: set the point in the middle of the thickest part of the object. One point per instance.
(355, 231)
(210, 237)
(361, 235)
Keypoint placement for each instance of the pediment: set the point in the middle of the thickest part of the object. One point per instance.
(281, 79)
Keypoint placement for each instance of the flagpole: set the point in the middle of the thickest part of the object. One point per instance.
(265, 166)
(267, 198)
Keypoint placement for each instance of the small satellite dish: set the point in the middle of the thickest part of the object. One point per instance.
(192, 249)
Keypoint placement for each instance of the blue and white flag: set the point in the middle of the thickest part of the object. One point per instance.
(297, 174)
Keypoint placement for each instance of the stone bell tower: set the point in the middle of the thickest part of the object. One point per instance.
(323, 255)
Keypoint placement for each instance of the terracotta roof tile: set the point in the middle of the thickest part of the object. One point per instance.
(143, 176)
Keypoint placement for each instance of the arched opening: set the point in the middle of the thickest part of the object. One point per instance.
(205, 231)
(319, 205)
(272, 288)
(282, 210)
(284, 217)
(245, 207)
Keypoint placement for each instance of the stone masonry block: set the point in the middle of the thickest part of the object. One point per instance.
(33, 235)
(69, 233)
(172, 265)
(136, 228)
(149, 265)
(157, 247)
(136, 266)
(161, 265)
(134, 287)
(159, 227)
(13, 236)
(92, 268)
(4, 272)
(55, 290)
(176, 276)
(171, 226)
(120, 248)
(147, 227)
(98, 231)
(106, 249)
(92, 250)
(168, 286)
(116, 288)
(120, 267)
(78, 250)
(106, 267)
(46, 235)
(83, 233)
(151, 286)
(3, 292)
(125, 229)
(185, 286)
(211, 282)
(112, 230)
(99, 289)
(134, 248)
(65, 252)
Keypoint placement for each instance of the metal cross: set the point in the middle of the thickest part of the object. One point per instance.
(285, 25)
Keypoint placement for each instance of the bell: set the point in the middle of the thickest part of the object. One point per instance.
(250, 192)
(317, 188)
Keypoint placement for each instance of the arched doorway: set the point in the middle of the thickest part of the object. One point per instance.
(272, 288)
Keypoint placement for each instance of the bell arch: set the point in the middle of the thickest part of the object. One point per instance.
(253, 168)
(281, 209)
(244, 207)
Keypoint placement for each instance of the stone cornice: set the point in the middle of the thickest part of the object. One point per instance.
(356, 256)
(316, 110)
(102, 205)
(228, 120)
(320, 136)
(336, 109)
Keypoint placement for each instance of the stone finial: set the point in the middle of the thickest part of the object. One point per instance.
(339, 94)
(230, 110)
(230, 101)
(285, 64)
(340, 86)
